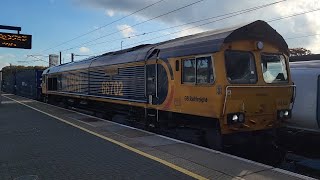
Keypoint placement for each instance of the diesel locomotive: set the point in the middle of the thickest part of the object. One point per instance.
(220, 83)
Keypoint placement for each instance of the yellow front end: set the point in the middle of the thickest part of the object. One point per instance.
(257, 88)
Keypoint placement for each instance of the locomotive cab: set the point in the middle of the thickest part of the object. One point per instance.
(258, 91)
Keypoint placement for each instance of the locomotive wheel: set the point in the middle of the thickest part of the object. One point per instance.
(213, 139)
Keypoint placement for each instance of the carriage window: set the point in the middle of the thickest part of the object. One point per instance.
(52, 84)
(274, 68)
(189, 70)
(59, 82)
(198, 70)
(177, 65)
(204, 70)
(240, 67)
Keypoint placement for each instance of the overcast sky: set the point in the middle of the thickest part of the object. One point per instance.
(52, 22)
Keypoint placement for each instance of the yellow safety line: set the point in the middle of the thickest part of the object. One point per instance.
(173, 166)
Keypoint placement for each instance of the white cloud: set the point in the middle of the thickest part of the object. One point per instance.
(109, 12)
(84, 50)
(126, 30)
(301, 25)
(306, 24)
(3, 64)
(188, 31)
(5, 59)
(7, 56)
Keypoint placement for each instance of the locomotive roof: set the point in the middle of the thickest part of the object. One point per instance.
(201, 43)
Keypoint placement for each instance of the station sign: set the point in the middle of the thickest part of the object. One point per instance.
(21, 41)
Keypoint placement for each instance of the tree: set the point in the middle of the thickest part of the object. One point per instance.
(299, 52)
(19, 67)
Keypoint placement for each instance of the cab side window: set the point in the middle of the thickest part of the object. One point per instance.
(204, 70)
(189, 70)
(198, 70)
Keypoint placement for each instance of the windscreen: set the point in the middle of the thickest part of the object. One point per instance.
(240, 67)
(274, 68)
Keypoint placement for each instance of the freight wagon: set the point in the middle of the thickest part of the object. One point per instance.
(23, 82)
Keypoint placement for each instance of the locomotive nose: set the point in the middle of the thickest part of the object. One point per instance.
(263, 109)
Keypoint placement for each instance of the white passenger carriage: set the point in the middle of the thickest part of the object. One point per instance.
(306, 110)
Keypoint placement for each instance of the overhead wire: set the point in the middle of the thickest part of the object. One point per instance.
(193, 22)
(293, 15)
(271, 20)
(298, 37)
(89, 32)
(39, 59)
(137, 24)
(210, 22)
(232, 15)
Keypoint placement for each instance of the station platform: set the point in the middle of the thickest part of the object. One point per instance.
(41, 141)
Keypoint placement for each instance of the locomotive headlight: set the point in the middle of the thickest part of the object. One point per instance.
(259, 45)
(235, 118)
(281, 114)
(284, 114)
(241, 118)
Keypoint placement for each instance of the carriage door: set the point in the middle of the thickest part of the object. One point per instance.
(151, 83)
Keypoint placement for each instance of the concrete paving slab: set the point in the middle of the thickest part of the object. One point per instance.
(185, 151)
(228, 165)
(216, 161)
(113, 128)
(160, 154)
(197, 168)
(154, 140)
(270, 174)
(226, 177)
(133, 133)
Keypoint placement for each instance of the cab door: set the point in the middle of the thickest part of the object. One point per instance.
(151, 83)
(151, 114)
